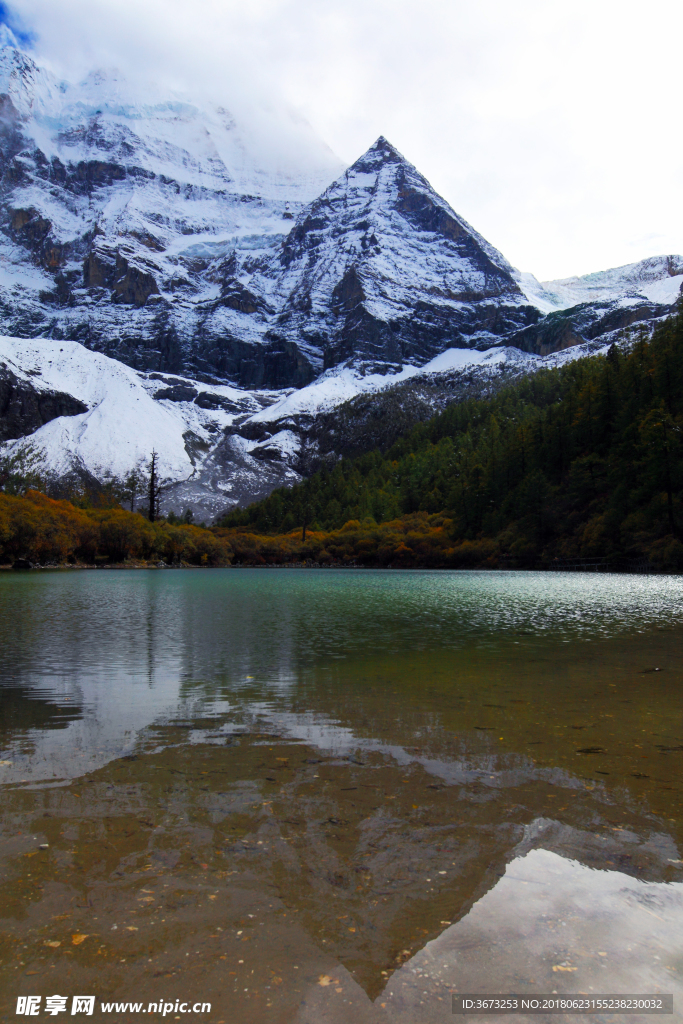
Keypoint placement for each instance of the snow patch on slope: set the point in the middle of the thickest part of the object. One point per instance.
(344, 382)
(124, 423)
(666, 291)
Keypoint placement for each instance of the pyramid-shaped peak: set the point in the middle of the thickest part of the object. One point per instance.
(385, 149)
(384, 183)
(380, 152)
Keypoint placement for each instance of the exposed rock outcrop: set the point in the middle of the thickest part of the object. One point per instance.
(23, 408)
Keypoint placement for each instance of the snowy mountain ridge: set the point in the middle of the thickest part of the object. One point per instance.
(655, 279)
(109, 200)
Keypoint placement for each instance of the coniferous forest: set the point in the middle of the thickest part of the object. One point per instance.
(580, 462)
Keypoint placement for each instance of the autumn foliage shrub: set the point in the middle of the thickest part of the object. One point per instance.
(42, 530)
(413, 541)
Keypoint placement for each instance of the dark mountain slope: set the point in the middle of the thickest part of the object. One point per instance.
(581, 461)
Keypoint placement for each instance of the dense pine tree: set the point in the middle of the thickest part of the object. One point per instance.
(584, 460)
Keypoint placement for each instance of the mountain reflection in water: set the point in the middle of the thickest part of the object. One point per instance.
(300, 793)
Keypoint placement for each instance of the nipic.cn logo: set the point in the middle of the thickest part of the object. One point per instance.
(29, 1006)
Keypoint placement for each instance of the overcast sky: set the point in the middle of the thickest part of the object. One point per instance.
(553, 127)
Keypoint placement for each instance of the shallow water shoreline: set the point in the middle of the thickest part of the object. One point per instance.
(611, 571)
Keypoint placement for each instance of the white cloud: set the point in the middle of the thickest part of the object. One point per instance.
(552, 127)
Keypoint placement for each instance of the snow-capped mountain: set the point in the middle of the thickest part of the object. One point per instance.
(171, 279)
(155, 205)
(167, 235)
(119, 215)
(380, 267)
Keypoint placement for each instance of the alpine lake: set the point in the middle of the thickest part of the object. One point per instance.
(331, 795)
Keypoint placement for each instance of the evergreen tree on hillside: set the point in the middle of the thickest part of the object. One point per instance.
(579, 461)
(153, 489)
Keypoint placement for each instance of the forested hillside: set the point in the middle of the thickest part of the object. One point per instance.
(582, 461)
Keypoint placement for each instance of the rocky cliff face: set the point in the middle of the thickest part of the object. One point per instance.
(25, 408)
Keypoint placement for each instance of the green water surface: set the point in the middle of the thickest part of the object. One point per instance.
(250, 780)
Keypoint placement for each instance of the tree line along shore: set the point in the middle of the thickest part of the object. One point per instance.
(582, 464)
